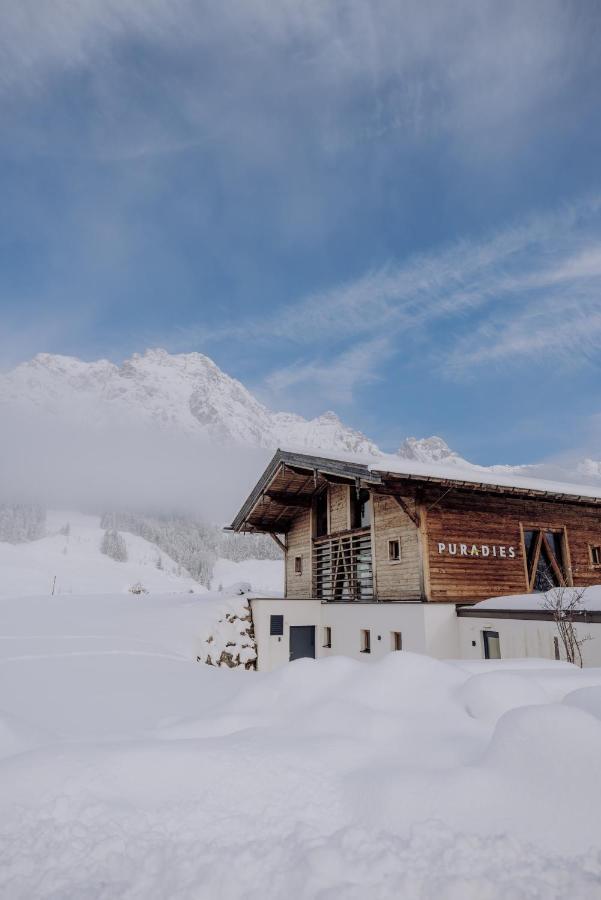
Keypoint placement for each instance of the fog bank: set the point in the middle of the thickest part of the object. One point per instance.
(133, 467)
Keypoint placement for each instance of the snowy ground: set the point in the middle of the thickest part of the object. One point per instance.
(73, 564)
(131, 771)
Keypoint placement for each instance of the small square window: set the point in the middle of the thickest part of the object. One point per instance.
(276, 625)
(327, 637)
(596, 555)
(365, 640)
(394, 550)
(298, 565)
(396, 640)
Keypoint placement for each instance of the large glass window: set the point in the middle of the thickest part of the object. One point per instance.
(545, 558)
(321, 514)
(360, 508)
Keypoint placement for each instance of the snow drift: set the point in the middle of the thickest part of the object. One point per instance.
(130, 770)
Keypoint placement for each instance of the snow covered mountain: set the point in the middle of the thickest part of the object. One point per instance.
(430, 450)
(436, 451)
(185, 393)
(188, 394)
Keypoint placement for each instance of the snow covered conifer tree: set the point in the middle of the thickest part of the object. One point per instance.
(113, 545)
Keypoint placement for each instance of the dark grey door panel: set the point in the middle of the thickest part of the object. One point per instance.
(302, 641)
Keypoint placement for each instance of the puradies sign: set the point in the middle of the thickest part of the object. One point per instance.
(500, 551)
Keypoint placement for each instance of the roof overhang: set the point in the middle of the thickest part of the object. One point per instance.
(289, 483)
(403, 479)
(291, 480)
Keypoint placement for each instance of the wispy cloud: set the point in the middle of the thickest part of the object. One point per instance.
(355, 71)
(337, 377)
(532, 287)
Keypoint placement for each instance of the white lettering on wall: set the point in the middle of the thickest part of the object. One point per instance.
(499, 551)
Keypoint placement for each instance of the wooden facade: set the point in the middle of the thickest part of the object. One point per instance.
(352, 533)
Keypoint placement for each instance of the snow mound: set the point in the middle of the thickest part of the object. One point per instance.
(590, 601)
(131, 770)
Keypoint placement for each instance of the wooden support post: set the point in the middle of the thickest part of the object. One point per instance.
(413, 516)
(278, 541)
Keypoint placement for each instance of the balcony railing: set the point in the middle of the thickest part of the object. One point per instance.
(342, 566)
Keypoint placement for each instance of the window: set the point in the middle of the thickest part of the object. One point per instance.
(595, 555)
(321, 514)
(396, 640)
(360, 508)
(492, 645)
(544, 552)
(365, 640)
(327, 637)
(394, 550)
(276, 625)
(298, 565)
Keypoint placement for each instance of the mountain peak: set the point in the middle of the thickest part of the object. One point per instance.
(430, 449)
(184, 392)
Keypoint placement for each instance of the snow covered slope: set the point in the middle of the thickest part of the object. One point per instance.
(130, 770)
(75, 561)
(79, 567)
(184, 393)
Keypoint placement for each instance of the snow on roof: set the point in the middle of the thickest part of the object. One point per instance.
(388, 463)
(480, 475)
(591, 601)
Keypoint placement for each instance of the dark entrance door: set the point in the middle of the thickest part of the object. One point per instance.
(302, 641)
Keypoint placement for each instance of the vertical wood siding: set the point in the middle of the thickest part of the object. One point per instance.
(299, 544)
(472, 518)
(395, 580)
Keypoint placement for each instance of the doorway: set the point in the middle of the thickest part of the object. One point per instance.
(302, 641)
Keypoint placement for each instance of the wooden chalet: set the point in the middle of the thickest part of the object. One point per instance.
(357, 532)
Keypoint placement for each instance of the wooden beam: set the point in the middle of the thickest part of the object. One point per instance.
(274, 537)
(286, 499)
(409, 512)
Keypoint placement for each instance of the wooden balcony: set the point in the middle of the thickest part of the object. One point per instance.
(342, 566)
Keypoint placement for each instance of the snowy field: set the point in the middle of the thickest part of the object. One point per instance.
(129, 770)
(72, 563)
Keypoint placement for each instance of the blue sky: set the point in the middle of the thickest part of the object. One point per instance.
(390, 209)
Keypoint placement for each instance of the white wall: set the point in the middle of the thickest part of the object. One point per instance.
(274, 650)
(425, 627)
(520, 638)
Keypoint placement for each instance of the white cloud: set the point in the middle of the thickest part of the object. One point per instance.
(535, 284)
(335, 379)
(250, 71)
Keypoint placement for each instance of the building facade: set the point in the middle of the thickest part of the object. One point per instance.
(370, 552)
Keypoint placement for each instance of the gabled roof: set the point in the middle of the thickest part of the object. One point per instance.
(292, 479)
(289, 482)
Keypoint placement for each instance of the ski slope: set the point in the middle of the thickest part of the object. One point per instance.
(73, 564)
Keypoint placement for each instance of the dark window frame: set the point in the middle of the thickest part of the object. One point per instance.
(321, 512)
(391, 556)
(546, 556)
(487, 634)
(365, 640)
(361, 512)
